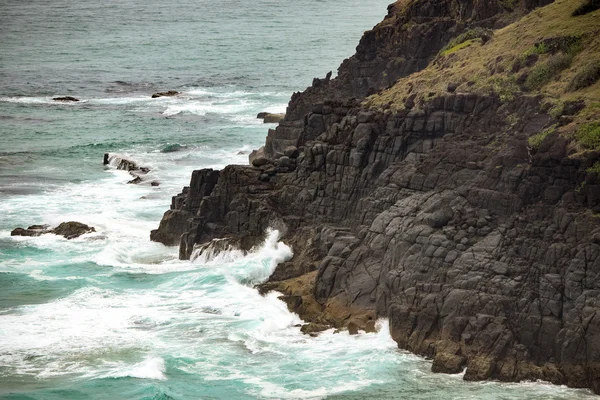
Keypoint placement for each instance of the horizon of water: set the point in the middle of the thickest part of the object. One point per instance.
(113, 315)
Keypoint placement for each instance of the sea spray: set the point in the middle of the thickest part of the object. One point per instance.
(250, 267)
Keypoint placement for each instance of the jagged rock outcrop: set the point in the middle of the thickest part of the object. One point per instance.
(169, 93)
(138, 173)
(482, 250)
(69, 230)
(410, 36)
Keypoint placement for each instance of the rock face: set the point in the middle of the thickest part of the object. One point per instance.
(483, 252)
(70, 230)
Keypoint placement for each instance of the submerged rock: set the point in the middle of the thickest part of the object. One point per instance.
(65, 98)
(165, 94)
(69, 230)
(172, 147)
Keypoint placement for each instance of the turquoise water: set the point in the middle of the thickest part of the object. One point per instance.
(113, 315)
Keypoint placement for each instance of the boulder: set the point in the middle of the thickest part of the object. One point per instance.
(270, 118)
(256, 154)
(72, 229)
(291, 152)
(260, 161)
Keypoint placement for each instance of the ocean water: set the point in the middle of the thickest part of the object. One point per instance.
(111, 315)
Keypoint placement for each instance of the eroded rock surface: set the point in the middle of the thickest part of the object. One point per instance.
(483, 252)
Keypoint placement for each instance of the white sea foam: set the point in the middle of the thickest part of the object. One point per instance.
(38, 100)
(150, 368)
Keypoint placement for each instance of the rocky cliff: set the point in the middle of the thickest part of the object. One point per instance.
(447, 179)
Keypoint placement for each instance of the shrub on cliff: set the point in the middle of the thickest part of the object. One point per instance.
(587, 7)
(543, 73)
(588, 135)
(536, 140)
(588, 75)
(465, 39)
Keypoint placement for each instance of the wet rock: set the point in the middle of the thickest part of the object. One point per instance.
(137, 172)
(481, 254)
(313, 328)
(27, 232)
(72, 229)
(69, 230)
(65, 98)
(165, 94)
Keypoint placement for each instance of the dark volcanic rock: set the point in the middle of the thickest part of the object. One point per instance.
(27, 232)
(72, 229)
(138, 173)
(481, 253)
(475, 267)
(165, 94)
(65, 98)
(69, 230)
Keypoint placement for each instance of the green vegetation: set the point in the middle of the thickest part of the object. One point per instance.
(556, 109)
(595, 168)
(509, 4)
(548, 44)
(538, 48)
(563, 50)
(587, 76)
(588, 135)
(466, 39)
(458, 47)
(505, 87)
(536, 140)
(587, 7)
(541, 74)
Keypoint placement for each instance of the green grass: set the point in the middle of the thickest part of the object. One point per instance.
(536, 140)
(458, 47)
(556, 109)
(541, 74)
(505, 87)
(587, 76)
(588, 135)
(466, 39)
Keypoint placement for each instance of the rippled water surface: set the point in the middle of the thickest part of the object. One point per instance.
(113, 315)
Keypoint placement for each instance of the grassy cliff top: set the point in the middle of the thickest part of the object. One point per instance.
(549, 52)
